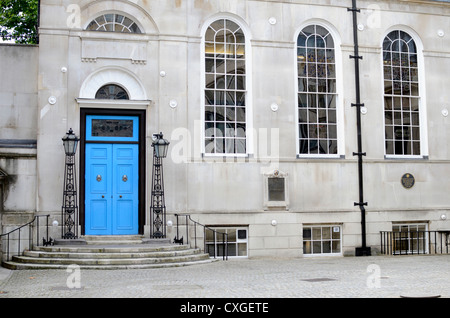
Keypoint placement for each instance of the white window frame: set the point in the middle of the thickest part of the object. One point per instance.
(422, 94)
(114, 23)
(338, 94)
(321, 226)
(218, 241)
(248, 90)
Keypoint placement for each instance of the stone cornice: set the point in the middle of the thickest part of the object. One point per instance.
(433, 2)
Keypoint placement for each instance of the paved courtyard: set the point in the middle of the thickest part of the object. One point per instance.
(342, 277)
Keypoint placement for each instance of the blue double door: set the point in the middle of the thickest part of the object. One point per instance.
(111, 187)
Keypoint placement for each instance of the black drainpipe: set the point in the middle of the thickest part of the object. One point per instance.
(363, 250)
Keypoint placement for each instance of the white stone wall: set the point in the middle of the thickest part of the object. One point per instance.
(18, 122)
(224, 192)
(18, 91)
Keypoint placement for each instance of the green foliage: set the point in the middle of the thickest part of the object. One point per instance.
(19, 21)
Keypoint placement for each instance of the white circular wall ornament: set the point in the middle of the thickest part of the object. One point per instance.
(274, 107)
(63, 69)
(443, 217)
(445, 112)
(274, 222)
(361, 27)
(441, 33)
(272, 20)
(173, 103)
(162, 73)
(52, 100)
(363, 110)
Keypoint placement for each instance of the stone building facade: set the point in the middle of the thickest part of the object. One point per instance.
(255, 98)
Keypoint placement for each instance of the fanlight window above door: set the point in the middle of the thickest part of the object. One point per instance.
(111, 91)
(113, 22)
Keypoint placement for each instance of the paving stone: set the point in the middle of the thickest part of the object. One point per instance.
(339, 277)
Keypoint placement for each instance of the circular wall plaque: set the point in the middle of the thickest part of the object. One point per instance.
(408, 180)
(274, 107)
(52, 100)
(173, 103)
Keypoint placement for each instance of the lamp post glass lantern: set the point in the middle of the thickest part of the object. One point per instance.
(160, 146)
(158, 206)
(69, 210)
(70, 142)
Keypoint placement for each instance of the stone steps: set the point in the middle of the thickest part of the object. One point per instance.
(109, 253)
(121, 240)
(124, 253)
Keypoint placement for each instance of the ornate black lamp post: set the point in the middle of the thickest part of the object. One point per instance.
(69, 212)
(158, 206)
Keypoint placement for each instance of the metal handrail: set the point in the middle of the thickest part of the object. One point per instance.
(415, 242)
(188, 218)
(30, 236)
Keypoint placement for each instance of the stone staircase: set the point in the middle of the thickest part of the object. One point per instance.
(115, 252)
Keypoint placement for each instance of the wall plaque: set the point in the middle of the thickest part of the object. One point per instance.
(408, 180)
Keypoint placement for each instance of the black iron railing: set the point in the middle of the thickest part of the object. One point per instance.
(415, 242)
(191, 226)
(15, 236)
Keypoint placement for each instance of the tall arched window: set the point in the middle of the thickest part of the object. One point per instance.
(317, 111)
(113, 22)
(225, 89)
(111, 91)
(401, 95)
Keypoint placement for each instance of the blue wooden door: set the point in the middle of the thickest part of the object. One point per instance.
(98, 189)
(125, 189)
(111, 187)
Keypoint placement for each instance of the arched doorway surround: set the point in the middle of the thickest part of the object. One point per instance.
(113, 199)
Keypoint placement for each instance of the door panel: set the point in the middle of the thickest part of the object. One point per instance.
(98, 189)
(98, 218)
(125, 189)
(111, 190)
(124, 216)
(99, 184)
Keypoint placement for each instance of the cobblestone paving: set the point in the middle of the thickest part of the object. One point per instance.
(356, 277)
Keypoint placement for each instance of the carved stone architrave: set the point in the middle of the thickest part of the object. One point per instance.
(276, 190)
